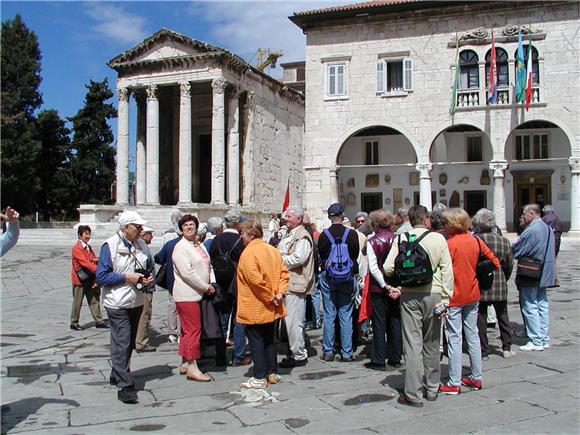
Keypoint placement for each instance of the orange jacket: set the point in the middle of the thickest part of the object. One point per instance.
(261, 275)
(464, 250)
(82, 258)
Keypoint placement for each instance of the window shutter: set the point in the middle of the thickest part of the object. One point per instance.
(381, 76)
(408, 74)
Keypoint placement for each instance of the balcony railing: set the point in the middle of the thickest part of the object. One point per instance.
(471, 97)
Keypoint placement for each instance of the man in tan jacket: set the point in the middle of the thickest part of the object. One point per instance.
(297, 253)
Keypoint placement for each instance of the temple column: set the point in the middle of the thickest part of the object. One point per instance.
(333, 184)
(218, 142)
(498, 167)
(123, 147)
(185, 143)
(575, 194)
(248, 156)
(152, 146)
(425, 184)
(233, 193)
(140, 154)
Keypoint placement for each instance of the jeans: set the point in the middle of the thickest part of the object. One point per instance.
(239, 339)
(315, 297)
(535, 310)
(337, 302)
(458, 318)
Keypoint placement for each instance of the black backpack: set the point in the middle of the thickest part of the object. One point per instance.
(223, 265)
(412, 264)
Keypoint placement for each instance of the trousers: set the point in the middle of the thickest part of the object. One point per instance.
(124, 322)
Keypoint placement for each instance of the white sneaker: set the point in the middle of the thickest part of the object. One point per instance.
(173, 338)
(546, 345)
(508, 354)
(258, 384)
(531, 346)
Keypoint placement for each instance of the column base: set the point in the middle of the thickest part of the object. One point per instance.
(152, 204)
(184, 204)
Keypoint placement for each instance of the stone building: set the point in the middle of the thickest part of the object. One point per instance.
(379, 132)
(210, 132)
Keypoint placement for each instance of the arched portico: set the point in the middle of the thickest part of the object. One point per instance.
(542, 170)
(376, 167)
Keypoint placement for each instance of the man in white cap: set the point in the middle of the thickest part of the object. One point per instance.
(142, 340)
(124, 270)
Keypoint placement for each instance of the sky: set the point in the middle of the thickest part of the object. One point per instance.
(77, 38)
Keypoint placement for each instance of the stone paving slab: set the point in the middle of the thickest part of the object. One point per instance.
(54, 380)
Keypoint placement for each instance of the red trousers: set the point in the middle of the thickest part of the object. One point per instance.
(190, 318)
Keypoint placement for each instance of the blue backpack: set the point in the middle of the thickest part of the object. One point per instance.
(338, 266)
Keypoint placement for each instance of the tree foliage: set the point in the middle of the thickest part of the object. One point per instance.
(20, 80)
(92, 165)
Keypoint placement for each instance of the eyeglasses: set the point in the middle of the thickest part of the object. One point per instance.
(361, 221)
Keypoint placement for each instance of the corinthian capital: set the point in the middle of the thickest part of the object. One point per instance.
(185, 89)
(498, 167)
(574, 163)
(123, 94)
(152, 92)
(424, 169)
(219, 85)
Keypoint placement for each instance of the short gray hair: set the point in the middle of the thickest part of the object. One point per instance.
(297, 210)
(547, 208)
(214, 223)
(483, 221)
(175, 217)
(403, 212)
(361, 214)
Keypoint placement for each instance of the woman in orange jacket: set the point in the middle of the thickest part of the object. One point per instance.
(262, 282)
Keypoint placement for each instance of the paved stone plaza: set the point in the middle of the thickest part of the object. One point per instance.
(55, 380)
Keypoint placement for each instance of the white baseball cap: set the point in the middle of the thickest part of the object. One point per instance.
(131, 217)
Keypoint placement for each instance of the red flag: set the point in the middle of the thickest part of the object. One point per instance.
(529, 77)
(492, 80)
(286, 197)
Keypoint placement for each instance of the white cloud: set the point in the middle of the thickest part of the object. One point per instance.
(244, 26)
(116, 24)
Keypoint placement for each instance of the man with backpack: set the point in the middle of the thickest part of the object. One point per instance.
(419, 261)
(339, 249)
(225, 251)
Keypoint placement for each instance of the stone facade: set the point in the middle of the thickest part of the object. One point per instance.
(414, 129)
(211, 131)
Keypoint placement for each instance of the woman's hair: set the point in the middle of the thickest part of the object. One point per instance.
(483, 221)
(82, 229)
(188, 218)
(457, 219)
(437, 216)
(252, 228)
(382, 218)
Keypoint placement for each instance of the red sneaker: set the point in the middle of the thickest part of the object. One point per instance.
(449, 389)
(471, 383)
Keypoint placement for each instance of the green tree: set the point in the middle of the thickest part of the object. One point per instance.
(54, 171)
(92, 166)
(20, 79)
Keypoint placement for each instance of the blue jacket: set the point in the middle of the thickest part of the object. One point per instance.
(537, 241)
(164, 257)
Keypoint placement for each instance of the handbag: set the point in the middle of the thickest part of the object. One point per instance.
(161, 276)
(85, 276)
(531, 268)
(484, 270)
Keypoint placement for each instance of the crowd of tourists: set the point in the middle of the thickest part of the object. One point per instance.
(423, 283)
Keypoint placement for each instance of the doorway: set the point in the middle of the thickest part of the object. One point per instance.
(371, 201)
(530, 188)
(473, 200)
(204, 169)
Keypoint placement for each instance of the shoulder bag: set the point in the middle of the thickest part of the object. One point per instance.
(530, 268)
(484, 269)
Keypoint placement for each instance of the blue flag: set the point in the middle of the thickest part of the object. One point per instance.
(520, 72)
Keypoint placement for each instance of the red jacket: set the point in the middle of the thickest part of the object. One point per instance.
(82, 258)
(464, 251)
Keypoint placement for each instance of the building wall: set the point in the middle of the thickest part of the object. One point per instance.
(423, 114)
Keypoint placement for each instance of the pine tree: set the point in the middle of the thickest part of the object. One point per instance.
(20, 80)
(92, 166)
(53, 170)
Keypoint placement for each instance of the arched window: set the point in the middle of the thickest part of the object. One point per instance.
(535, 66)
(501, 60)
(469, 69)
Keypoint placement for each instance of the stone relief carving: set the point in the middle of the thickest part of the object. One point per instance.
(372, 180)
(387, 179)
(350, 182)
(123, 94)
(185, 89)
(463, 180)
(219, 85)
(414, 178)
(152, 92)
(484, 180)
(513, 30)
(443, 179)
(479, 33)
(350, 199)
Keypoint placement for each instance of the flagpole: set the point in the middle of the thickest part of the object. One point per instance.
(455, 80)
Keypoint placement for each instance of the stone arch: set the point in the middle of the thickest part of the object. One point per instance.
(556, 122)
(443, 127)
(365, 125)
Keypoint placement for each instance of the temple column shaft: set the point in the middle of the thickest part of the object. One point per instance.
(233, 195)
(152, 146)
(425, 184)
(185, 144)
(498, 167)
(141, 156)
(218, 143)
(248, 155)
(123, 148)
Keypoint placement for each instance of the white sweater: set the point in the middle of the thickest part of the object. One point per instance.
(192, 275)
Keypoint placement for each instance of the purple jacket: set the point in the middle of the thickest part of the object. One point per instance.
(553, 221)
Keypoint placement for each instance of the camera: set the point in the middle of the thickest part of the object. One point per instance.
(146, 274)
(439, 310)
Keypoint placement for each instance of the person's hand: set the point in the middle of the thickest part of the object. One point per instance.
(133, 278)
(12, 214)
(210, 290)
(395, 292)
(146, 280)
(278, 299)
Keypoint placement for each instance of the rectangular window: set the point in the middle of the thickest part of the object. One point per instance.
(474, 149)
(372, 153)
(469, 77)
(394, 76)
(532, 146)
(336, 79)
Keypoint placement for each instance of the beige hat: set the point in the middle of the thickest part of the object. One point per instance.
(147, 230)
(131, 217)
